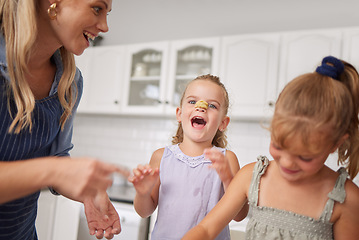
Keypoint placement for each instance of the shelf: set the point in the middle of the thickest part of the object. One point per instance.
(186, 77)
(146, 78)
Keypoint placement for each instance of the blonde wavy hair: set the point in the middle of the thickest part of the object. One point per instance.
(220, 138)
(19, 27)
(313, 102)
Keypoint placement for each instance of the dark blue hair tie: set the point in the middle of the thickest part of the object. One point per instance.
(329, 70)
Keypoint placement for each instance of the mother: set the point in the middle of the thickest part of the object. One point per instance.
(40, 89)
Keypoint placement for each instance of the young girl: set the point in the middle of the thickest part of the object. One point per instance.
(296, 196)
(180, 179)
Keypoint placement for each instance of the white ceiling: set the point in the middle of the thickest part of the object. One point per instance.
(134, 21)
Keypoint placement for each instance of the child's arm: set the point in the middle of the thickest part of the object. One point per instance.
(146, 182)
(347, 225)
(226, 209)
(226, 166)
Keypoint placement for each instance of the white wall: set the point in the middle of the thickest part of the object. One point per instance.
(130, 141)
(133, 21)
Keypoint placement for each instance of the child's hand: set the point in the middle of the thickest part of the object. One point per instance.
(144, 179)
(221, 163)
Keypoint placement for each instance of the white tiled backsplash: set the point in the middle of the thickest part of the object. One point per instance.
(130, 141)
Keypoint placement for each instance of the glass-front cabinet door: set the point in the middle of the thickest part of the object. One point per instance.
(189, 59)
(158, 73)
(145, 80)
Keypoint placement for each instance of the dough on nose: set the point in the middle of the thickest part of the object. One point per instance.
(201, 104)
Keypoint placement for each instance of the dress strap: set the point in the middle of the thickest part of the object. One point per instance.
(258, 171)
(336, 195)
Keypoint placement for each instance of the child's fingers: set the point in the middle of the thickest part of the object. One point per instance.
(215, 157)
(140, 172)
(132, 179)
(156, 171)
(212, 153)
(144, 169)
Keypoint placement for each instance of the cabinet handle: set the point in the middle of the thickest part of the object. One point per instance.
(115, 102)
(271, 103)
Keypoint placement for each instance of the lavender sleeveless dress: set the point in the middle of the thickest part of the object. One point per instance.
(188, 191)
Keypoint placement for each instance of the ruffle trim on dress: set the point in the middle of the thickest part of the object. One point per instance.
(190, 161)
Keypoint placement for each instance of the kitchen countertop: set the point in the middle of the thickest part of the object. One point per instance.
(122, 193)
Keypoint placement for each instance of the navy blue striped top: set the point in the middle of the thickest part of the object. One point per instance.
(17, 218)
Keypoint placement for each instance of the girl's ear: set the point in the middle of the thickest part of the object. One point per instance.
(224, 123)
(178, 114)
(340, 142)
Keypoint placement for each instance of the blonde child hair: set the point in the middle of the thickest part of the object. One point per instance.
(220, 139)
(18, 24)
(325, 101)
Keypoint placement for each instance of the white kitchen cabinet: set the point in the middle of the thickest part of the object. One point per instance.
(46, 212)
(57, 217)
(67, 219)
(188, 59)
(156, 73)
(249, 67)
(102, 69)
(149, 78)
(145, 78)
(302, 52)
(351, 46)
(83, 62)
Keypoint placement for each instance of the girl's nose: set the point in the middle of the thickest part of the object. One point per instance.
(198, 109)
(201, 106)
(287, 161)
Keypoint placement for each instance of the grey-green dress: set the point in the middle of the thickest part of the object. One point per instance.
(270, 223)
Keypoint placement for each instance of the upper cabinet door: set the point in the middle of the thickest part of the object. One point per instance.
(83, 63)
(351, 46)
(189, 59)
(249, 66)
(145, 78)
(302, 52)
(102, 69)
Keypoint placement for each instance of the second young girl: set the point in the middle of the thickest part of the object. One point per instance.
(296, 196)
(180, 179)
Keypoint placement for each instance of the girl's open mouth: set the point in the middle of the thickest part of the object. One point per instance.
(198, 122)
